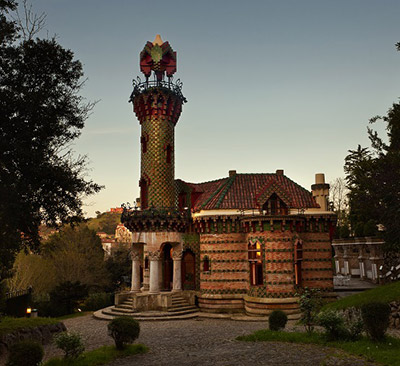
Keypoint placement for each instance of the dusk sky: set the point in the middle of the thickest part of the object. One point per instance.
(270, 84)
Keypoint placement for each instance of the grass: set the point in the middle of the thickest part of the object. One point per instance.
(386, 352)
(9, 324)
(385, 293)
(100, 356)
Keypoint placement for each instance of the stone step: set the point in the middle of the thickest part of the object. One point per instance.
(148, 314)
(124, 306)
(122, 311)
(105, 316)
(181, 308)
(179, 302)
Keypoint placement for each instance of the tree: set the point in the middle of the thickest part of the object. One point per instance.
(41, 114)
(373, 178)
(77, 255)
(340, 204)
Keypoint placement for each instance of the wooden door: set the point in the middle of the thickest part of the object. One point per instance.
(188, 271)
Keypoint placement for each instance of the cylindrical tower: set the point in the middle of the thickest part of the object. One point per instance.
(157, 104)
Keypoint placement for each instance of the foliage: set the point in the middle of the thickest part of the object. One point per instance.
(98, 301)
(123, 330)
(386, 352)
(310, 303)
(77, 255)
(375, 316)
(70, 343)
(385, 293)
(8, 324)
(42, 113)
(277, 320)
(373, 179)
(106, 222)
(32, 270)
(333, 323)
(118, 266)
(25, 353)
(66, 296)
(100, 356)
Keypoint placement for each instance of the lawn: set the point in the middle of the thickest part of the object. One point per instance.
(100, 356)
(385, 293)
(387, 352)
(9, 324)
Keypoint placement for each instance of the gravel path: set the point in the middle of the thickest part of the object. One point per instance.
(201, 341)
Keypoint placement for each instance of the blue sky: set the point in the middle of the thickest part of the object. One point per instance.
(270, 84)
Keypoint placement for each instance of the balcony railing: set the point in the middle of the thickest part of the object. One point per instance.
(140, 86)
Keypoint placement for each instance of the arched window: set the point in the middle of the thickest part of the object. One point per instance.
(144, 193)
(298, 258)
(143, 141)
(169, 154)
(206, 264)
(255, 262)
(146, 262)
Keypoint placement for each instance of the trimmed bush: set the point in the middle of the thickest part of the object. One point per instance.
(25, 353)
(277, 320)
(375, 316)
(123, 330)
(65, 297)
(70, 343)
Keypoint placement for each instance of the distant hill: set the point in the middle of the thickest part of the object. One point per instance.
(106, 221)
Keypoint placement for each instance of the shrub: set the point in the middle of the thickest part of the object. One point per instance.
(310, 302)
(369, 228)
(98, 301)
(354, 322)
(70, 343)
(65, 297)
(376, 319)
(344, 232)
(334, 326)
(123, 330)
(277, 320)
(359, 230)
(25, 353)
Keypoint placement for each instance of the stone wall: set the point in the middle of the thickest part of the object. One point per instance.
(395, 315)
(42, 334)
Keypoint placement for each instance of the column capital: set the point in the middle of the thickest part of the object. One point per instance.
(177, 255)
(134, 255)
(154, 256)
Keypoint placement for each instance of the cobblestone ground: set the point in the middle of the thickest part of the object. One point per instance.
(204, 341)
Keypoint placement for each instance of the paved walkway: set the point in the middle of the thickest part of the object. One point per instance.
(206, 341)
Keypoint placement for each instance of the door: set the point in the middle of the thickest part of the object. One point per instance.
(188, 271)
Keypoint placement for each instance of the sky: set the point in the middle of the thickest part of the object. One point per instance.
(270, 84)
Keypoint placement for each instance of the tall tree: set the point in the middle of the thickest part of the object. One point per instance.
(41, 114)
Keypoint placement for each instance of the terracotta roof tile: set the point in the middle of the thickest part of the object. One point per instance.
(242, 190)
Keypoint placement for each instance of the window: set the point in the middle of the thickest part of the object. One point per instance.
(206, 264)
(144, 192)
(255, 262)
(143, 141)
(275, 206)
(298, 258)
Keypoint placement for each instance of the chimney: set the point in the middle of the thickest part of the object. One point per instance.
(232, 173)
(279, 172)
(320, 191)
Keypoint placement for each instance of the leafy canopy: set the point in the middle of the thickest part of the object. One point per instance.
(41, 114)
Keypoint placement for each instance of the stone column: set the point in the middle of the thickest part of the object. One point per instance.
(346, 261)
(177, 279)
(361, 258)
(154, 258)
(135, 282)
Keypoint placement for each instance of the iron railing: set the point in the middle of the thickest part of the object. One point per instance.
(140, 86)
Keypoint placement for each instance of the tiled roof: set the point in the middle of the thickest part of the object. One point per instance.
(249, 191)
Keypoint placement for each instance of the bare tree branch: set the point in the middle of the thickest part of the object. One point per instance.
(29, 23)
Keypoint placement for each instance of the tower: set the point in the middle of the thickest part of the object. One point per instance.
(157, 103)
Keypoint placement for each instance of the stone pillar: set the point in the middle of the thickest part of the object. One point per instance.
(135, 282)
(345, 261)
(154, 258)
(361, 263)
(177, 278)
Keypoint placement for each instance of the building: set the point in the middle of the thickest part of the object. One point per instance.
(243, 243)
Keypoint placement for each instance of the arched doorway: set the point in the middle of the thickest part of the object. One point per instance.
(167, 267)
(188, 271)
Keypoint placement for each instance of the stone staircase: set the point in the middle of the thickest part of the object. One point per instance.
(180, 309)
